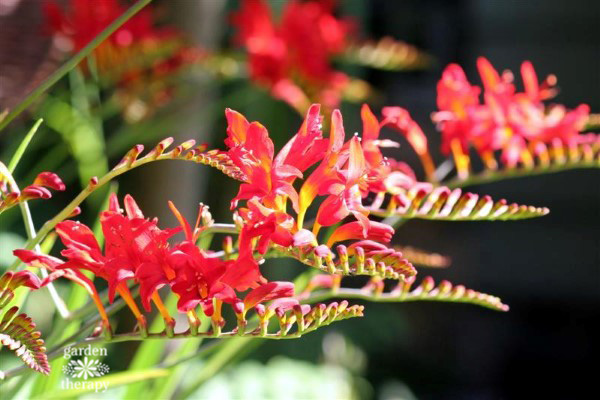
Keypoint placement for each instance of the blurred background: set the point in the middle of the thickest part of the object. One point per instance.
(547, 269)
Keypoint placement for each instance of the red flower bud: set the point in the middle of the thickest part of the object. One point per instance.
(50, 180)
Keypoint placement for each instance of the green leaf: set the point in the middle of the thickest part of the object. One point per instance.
(14, 161)
(10, 241)
(110, 381)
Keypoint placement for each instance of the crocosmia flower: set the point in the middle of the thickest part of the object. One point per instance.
(292, 57)
(505, 120)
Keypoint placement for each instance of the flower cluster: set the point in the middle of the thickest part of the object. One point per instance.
(137, 57)
(137, 250)
(344, 173)
(292, 57)
(284, 201)
(517, 123)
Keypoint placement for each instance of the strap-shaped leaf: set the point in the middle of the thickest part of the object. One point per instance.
(441, 203)
(322, 288)
(362, 258)
(388, 54)
(542, 159)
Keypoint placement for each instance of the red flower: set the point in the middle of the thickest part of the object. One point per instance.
(251, 149)
(13, 280)
(132, 244)
(198, 276)
(268, 224)
(354, 230)
(506, 120)
(399, 119)
(344, 190)
(324, 171)
(10, 196)
(136, 57)
(86, 19)
(293, 57)
(308, 146)
(385, 175)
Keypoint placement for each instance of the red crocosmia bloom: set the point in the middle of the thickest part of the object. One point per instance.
(313, 35)
(399, 119)
(293, 57)
(507, 120)
(308, 146)
(56, 268)
(268, 291)
(267, 224)
(326, 169)
(132, 244)
(136, 57)
(199, 277)
(13, 280)
(344, 190)
(135, 245)
(51, 180)
(354, 230)
(266, 48)
(456, 96)
(251, 149)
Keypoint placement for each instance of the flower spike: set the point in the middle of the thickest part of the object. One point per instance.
(516, 124)
(441, 203)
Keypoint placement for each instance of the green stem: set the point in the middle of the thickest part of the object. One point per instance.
(72, 62)
(359, 294)
(30, 229)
